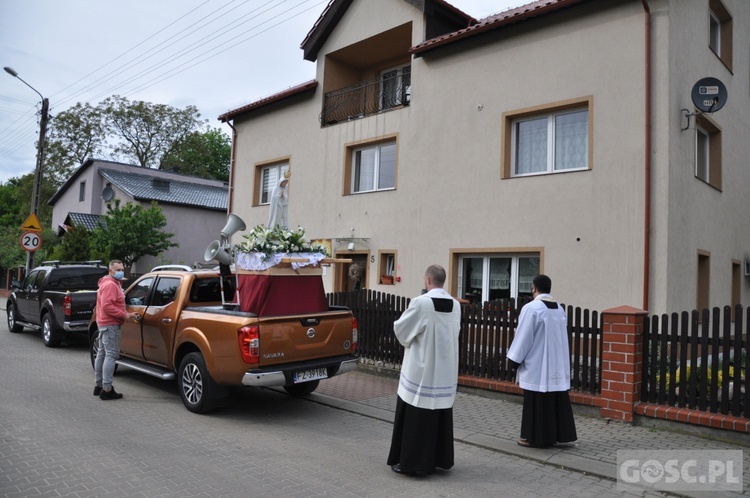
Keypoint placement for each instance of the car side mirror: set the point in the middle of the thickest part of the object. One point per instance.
(15, 284)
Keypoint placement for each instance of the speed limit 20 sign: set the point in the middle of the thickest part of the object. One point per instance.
(31, 241)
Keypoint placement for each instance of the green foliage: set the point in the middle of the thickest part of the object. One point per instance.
(10, 204)
(75, 135)
(129, 232)
(205, 154)
(75, 245)
(147, 132)
(12, 254)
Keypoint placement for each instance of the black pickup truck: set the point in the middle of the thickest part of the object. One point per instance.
(56, 298)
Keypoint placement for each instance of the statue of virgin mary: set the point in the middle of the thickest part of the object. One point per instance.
(279, 214)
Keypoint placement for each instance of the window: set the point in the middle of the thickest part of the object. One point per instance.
(267, 178)
(708, 151)
(395, 87)
(486, 277)
(82, 192)
(370, 167)
(720, 31)
(704, 280)
(138, 294)
(547, 139)
(387, 264)
(165, 292)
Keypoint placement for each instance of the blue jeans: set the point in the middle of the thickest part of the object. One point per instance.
(107, 353)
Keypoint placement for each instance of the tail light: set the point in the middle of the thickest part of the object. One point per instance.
(67, 304)
(249, 338)
(355, 333)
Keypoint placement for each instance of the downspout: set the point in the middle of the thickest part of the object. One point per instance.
(647, 160)
(231, 168)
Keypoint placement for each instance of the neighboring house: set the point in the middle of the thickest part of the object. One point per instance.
(195, 208)
(559, 137)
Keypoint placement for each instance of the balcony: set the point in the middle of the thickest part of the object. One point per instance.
(391, 90)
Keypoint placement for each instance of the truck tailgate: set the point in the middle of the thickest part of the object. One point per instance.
(82, 305)
(295, 338)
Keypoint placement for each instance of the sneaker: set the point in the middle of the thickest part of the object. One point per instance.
(111, 394)
(97, 390)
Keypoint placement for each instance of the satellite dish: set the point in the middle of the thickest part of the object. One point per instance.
(709, 94)
(108, 193)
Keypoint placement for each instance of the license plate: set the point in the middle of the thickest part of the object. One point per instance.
(308, 375)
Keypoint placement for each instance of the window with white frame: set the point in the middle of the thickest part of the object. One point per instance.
(548, 143)
(486, 277)
(269, 178)
(373, 167)
(395, 87)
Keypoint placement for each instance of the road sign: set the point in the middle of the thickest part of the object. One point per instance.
(31, 241)
(31, 224)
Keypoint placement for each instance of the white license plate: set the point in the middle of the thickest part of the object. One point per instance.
(308, 375)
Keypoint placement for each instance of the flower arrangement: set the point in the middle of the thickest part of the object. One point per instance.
(278, 240)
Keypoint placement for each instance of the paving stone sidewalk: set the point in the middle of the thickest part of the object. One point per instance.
(492, 421)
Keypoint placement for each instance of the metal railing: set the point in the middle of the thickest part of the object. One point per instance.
(368, 97)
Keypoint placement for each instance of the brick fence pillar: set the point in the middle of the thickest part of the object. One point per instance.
(622, 361)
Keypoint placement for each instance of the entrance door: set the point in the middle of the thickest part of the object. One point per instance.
(352, 276)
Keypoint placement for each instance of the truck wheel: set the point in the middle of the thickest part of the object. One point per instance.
(47, 332)
(198, 391)
(13, 326)
(302, 389)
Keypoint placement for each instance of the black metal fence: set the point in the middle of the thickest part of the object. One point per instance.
(698, 360)
(367, 98)
(486, 333)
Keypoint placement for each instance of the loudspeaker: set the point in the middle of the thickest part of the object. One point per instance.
(214, 251)
(234, 224)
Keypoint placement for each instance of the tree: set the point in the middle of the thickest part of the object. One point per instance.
(129, 232)
(75, 135)
(75, 245)
(206, 154)
(147, 132)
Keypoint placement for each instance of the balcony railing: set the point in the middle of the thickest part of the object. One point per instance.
(367, 98)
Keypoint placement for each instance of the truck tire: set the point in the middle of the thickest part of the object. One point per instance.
(13, 326)
(302, 389)
(48, 332)
(198, 391)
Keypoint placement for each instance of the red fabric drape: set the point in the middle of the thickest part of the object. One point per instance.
(268, 295)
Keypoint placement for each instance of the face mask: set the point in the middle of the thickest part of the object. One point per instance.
(119, 274)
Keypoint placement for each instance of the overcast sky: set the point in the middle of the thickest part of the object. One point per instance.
(215, 55)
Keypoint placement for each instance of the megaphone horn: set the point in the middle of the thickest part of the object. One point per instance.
(214, 251)
(234, 224)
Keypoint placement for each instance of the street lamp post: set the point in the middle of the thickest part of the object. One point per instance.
(38, 170)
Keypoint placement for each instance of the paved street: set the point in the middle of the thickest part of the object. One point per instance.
(56, 439)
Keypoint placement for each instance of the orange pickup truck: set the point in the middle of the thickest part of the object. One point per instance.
(188, 332)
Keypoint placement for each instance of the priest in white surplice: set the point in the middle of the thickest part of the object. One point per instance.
(423, 428)
(541, 353)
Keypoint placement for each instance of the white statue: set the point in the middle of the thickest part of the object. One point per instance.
(279, 214)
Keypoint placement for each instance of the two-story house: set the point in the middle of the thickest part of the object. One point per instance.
(195, 208)
(559, 137)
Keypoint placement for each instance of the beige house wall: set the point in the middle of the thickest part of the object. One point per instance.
(450, 195)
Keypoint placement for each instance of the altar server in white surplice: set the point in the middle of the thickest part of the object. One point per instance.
(541, 353)
(423, 429)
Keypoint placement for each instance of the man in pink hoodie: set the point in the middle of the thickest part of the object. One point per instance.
(110, 315)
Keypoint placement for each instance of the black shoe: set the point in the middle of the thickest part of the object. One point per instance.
(397, 469)
(97, 390)
(111, 394)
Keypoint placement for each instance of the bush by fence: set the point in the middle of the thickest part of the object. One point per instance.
(698, 360)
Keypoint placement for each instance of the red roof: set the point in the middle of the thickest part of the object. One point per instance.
(277, 97)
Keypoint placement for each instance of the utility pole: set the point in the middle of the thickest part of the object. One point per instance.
(39, 170)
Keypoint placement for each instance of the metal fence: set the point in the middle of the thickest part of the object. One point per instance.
(698, 360)
(487, 331)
